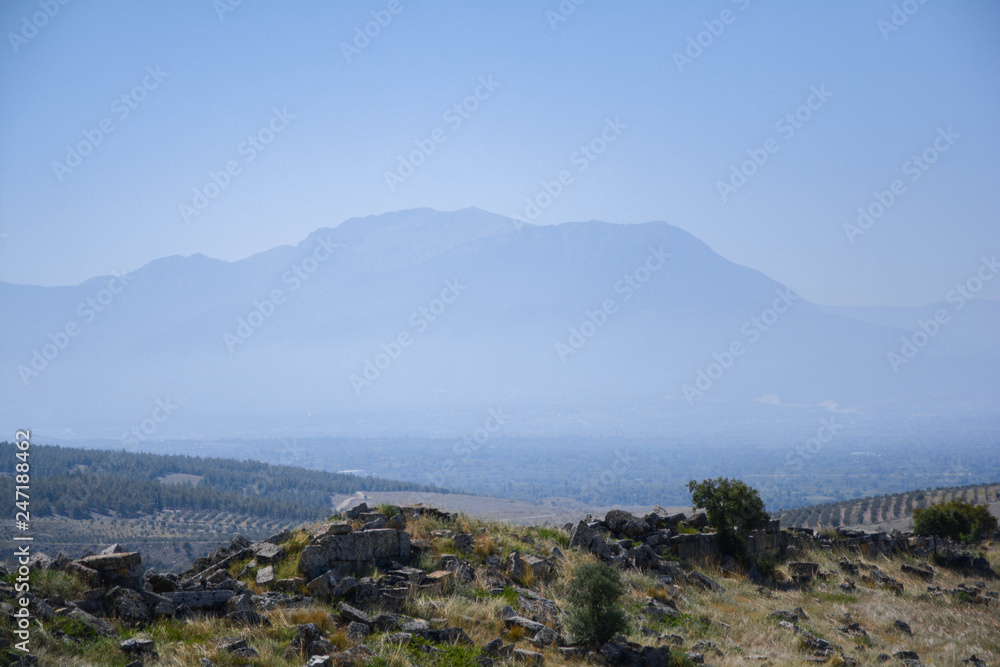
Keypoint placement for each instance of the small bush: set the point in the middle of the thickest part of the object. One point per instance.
(388, 509)
(767, 566)
(510, 596)
(959, 520)
(594, 614)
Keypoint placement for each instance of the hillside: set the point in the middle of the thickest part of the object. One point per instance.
(174, 507)
(886, 512)
(416, 586)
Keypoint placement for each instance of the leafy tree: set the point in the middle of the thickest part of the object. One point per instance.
(959, 520)
(594, 614)
(731, 507)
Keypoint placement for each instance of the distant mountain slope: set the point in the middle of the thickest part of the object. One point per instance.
(418, 322)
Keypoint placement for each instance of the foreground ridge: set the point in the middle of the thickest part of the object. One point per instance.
(416, 585)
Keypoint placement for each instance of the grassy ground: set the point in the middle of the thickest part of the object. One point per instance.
(946, 628)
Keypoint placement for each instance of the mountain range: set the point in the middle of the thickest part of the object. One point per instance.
(421, 322)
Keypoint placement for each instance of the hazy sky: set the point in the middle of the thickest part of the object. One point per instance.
(199, 81)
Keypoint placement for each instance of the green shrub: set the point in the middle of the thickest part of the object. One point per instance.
(510, 596)
(766, 566)
(594, 614)
(388, 509)
(731, 507)
(959, 520)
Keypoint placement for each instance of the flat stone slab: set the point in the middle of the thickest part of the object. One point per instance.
(115, 562)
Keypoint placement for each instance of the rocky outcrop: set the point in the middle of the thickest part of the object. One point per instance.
(351, 552)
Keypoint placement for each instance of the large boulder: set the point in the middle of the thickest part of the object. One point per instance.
(114, 569)
(129, 607)
(353, 551)
(268, 553)
(616, 520)
(98, 625)
(580, 536)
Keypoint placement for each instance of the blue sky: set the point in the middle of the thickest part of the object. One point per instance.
(889, 95)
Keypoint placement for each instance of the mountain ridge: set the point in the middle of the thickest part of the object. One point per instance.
(658, 309)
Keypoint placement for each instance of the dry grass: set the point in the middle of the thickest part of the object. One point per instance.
(486, 546)
(945, 630)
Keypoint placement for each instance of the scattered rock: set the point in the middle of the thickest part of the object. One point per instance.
(531, 626)
(129, 607)
(854, 630)
(547, 637)
(463, 542)
(785, 615)
(922, 571)
(875, 578)
(803, 572)
(136, 646)
(265, 575)
(357, 632)
(238, 647)
(706, 582)
(902, 626)
(268, 553)
(349, 613)
(530, 657)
